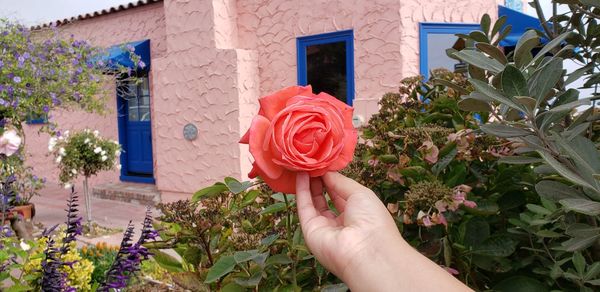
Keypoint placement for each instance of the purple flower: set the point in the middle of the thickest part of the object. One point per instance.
(6, 231)
(55, 100)
(1, 63)
(46, 109)
(141, 64)
(4, 103)
(130, 48)
(17, 79)
(129, 257)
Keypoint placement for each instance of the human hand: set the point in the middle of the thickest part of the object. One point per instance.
(341, 242)
(361, 244)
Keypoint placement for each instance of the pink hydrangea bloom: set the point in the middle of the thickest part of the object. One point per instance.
(9, 142)
(430, 152)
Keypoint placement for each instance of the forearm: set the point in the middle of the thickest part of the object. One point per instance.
(395, 266)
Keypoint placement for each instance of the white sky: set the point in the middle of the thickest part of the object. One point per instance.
(31, 12)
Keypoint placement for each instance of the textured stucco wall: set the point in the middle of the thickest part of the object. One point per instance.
(212, 59)
(385, 31)
(198, 81)
(146, 22)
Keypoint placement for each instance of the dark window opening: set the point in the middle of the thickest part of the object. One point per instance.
(326, 69)
(326, 62)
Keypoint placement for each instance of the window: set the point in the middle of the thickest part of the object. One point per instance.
(137, 97)
(36, 119)
(435, 39)
(326, 61)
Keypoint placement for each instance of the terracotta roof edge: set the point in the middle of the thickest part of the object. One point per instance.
(96, 13)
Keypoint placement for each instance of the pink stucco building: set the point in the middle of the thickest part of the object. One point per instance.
(210, 60)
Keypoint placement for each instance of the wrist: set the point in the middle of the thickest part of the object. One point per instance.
(393, 265)
(376, 268)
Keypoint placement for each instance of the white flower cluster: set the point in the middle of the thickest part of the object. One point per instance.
(56, 145)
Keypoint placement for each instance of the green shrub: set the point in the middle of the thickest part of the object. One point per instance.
(102, 256)
(233, 237)
(533, 103)
(440, 178)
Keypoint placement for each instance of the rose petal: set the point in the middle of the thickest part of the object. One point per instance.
(318, 172)
(346, 110)
(254, 172)
(263, 157)
(286, 183)
(246, 138)
(271, 105)
(347, 154)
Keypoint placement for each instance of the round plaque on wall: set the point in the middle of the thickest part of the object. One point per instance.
(190, 132)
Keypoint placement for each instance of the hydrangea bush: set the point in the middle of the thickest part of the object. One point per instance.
(234, 236)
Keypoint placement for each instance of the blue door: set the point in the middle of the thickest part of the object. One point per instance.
(135, 132)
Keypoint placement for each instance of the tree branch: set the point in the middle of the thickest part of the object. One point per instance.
(586, 12)
(540, 13)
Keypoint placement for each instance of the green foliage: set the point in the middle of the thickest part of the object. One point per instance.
(440, 176)
(532, 104)
(85, 153)
(13, 255)
(78, 276)
(27, 185)
(101, 256)
(237, 236)
(42, 70)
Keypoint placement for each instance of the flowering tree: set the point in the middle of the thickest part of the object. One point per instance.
(40, 71)
(43, 70)
(83, 153)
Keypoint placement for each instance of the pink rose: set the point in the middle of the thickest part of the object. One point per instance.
(299, 131)
(9, 142)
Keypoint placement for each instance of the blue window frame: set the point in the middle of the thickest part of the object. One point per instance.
(37, 119)
(443, 36)
(312, 49)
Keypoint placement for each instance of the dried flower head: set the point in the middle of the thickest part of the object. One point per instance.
(428, 201)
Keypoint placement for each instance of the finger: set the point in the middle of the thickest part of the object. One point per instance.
(316, 189)
(338, 202)
(342, 186)
(319, 200)
(306, 208)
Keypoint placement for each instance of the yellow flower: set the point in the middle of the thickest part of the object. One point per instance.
(78, 276)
